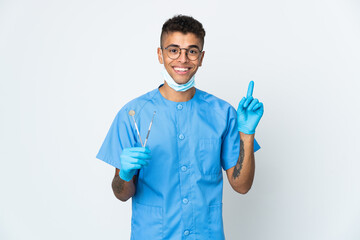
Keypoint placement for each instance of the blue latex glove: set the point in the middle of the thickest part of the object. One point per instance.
(249, 112)
(132, 159)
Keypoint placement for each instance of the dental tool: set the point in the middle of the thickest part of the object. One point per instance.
(132, 113)
(147, 136)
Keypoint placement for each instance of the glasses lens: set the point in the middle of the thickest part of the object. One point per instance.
(193, 53)
(173, 52)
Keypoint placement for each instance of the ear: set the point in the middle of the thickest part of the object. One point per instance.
(159, 53)
(201, 58)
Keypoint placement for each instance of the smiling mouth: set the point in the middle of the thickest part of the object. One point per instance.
(181, 70)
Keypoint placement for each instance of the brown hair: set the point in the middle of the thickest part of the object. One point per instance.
(183, 24)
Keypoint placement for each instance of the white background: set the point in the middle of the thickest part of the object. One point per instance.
(67, 67)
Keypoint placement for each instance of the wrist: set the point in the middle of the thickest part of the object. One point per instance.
(246, 130)
(126, 176)
(247, 137)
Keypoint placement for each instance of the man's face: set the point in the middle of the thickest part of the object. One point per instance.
(180, 69)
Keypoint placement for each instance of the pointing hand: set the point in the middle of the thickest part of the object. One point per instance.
(249, 112)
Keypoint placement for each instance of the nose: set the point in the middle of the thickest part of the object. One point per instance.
(183, 57)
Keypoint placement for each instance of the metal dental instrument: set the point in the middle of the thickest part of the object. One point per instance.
(147, 136)
(132, 113)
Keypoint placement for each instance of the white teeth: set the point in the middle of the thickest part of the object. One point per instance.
(181, 69)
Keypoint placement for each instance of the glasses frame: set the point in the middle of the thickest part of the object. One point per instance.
(186, 52)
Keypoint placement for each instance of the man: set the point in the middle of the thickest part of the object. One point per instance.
(176, 180)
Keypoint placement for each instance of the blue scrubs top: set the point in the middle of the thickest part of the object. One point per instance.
(179, 194)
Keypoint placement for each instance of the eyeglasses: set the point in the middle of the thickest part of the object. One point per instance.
(174, 53)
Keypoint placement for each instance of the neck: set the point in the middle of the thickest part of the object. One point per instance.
(170, 94)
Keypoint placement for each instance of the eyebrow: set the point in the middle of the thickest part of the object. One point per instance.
(190, 46)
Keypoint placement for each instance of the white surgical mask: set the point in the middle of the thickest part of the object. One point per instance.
(174, 85)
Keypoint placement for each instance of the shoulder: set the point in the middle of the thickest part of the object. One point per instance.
(216, 104)
(137, 104)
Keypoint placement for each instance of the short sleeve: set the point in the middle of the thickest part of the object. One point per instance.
(119, 136)
(230, 148)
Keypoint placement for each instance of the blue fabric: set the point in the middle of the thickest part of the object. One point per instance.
(179, 194)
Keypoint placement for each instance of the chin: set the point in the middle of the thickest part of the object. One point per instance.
(182, 80)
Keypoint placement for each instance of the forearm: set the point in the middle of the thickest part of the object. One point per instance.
(244, 170)
(123, 190)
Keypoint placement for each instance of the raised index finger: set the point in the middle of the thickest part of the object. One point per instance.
(250, 89)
